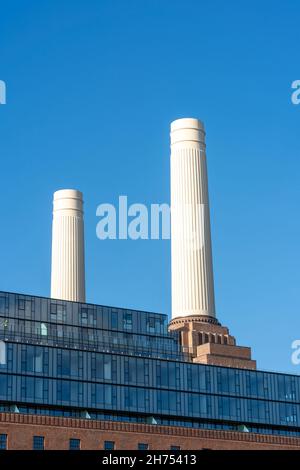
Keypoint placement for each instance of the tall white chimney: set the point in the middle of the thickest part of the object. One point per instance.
(191, 254)
(67, 270)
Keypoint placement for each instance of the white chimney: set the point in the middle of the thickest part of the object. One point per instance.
(192, 269)
(67, 270)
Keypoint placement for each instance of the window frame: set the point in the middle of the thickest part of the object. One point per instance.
(38, 443)
(106, 445)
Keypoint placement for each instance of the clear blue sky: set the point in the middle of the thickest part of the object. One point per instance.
(91, 89)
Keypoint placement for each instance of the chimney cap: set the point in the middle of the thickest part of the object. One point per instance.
(187, 132)
(187, 123)
(70, 200)
(68, 194)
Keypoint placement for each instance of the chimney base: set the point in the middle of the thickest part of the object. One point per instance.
(208, 342)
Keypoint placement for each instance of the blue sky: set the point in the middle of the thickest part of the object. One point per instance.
(92, 87)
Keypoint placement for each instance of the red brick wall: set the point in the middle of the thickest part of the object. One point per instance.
(21, 428)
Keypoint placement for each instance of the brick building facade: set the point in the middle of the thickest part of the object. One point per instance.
(57, 432)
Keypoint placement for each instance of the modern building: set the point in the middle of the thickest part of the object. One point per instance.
(74, 375)
(108, 376)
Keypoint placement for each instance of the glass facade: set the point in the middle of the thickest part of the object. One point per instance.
(102, 362)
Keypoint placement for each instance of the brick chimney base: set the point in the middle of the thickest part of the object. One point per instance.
(208, 342)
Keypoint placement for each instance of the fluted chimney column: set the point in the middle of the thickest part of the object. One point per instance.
(67, 270)
(191, 254)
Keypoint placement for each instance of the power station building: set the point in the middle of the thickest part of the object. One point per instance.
(74, 375)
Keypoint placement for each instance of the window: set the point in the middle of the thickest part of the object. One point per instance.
(109, 445)
(65, 365)
(93, 317)
(175, 448)
(142, 446)
(2, 353)
(155, 324)
(32, 359)
(288, 413)
(63, 390)
(150, 325)
(32, 388)
(3, 303)
(114, 319)
(43, 329)
(61, 312)
(102, 367)
(57, 312)
(3, 385)
(3, 441)
(127, 321)
(141, 371)
(60, 331)
(286, 387)
(21, 304)
(4, 323)
(107, 367)
(102, 395)
(38, 442)
(74, 444)
(84, 316)
(223, 380)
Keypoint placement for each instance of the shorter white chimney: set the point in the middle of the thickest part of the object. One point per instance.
(67, 270)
